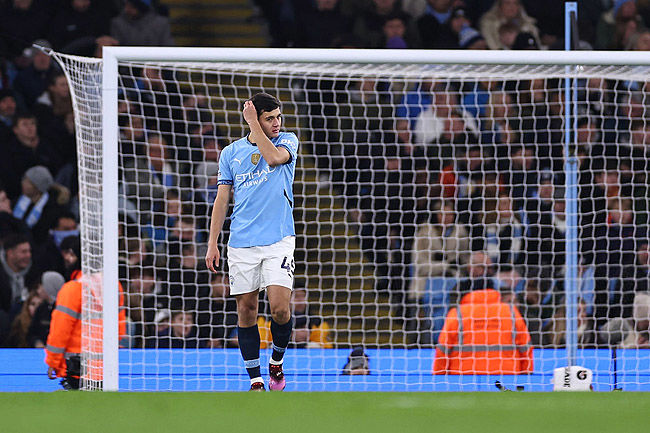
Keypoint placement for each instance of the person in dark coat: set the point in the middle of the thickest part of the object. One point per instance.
(435, 26)
(320, 25)
(25, 21)
(48, 287)
(140, 25)
(31, 82)
(37, 206)
(182, 333)
(80, 18)
(26, 149)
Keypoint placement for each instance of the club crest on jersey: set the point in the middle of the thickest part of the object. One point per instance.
(255, 158)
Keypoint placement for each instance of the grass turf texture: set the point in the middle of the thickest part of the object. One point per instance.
(323, 412)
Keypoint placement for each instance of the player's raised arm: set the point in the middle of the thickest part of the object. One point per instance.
(265, 125)
(219, 211)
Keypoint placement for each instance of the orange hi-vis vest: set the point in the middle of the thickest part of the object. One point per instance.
(65, 327)
(483, 336)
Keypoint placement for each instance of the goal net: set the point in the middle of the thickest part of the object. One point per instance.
(441, 231)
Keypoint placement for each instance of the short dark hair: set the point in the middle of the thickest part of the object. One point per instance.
(23, 115)
(12, 240)
(264, 102)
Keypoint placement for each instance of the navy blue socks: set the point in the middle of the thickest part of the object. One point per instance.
(281, 336)
(249, 345)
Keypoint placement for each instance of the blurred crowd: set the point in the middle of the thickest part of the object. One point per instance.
(453, 24)
(454, 186)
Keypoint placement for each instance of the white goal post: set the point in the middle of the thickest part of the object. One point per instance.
(408, 65)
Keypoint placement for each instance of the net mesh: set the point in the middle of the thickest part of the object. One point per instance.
(417, 187)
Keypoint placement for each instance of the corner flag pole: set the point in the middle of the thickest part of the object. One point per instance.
(571, 190)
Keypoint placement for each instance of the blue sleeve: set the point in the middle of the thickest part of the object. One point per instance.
(225, 175)
(289, 142)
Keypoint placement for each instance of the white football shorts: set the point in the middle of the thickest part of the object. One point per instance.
(255, 268)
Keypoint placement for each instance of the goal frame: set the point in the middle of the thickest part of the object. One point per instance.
(112, 56)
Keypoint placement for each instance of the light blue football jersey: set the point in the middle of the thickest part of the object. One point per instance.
(263, 195)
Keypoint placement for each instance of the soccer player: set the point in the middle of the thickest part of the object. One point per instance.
(259, 168)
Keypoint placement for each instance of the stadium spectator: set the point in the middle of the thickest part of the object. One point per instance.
(26, 149)
(414, 101)
(434, 26)
(476, 96)
(382, 22)
(525, 41)
(443, 117)
(394, 32)
(522, 176)
(555, 329)
(483, 335)
(414, 8)
(38, 206)
(132, 132)
(478, 276)
(48, 254)
(549, 18)
(546, 223)
(500, 126)
(20, 326)
(25, 21)
(9, 224)
(16, 272)
(309, 330)
(281, 19)
(141, 187)
(163, 221)
(537, 301)
(159, 155)
(31, 82)
(7, 113)
(499, 232)
(51, 110)
(636, 276)
(77, 19)
(509, 282)
(615, 24)
(181, 334)
(455, 177)
(441, 248)
(141, 301)
(470, 39)
(137, 252)
(639, 338)
(139, 25)
(39, 328)
(508, 32)
(639, 41)
(506, 11)
(320, 24)
(71, 253)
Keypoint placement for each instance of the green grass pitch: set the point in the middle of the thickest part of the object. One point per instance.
(324, 412)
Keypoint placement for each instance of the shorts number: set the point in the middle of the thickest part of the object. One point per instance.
(289, 267)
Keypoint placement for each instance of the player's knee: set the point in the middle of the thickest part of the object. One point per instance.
(281, 315)
(247, 311)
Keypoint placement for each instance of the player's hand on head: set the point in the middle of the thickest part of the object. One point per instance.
(212, 258)
(249, 112)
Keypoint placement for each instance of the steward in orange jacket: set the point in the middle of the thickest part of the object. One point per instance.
(62, 352)
(483, 336)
